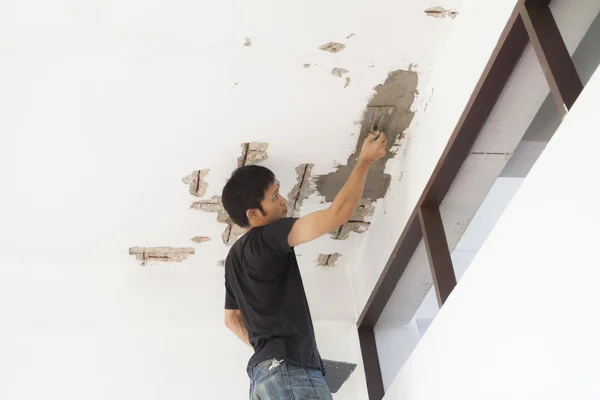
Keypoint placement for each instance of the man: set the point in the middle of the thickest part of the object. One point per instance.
(265, 303)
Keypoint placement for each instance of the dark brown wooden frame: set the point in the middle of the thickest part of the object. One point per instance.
(530, 21)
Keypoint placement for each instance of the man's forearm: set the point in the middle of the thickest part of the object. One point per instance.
(348, 198)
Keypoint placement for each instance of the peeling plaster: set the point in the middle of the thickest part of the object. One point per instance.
(200, 239)
(161, 254)
(347, 82)
(328, 260)
(441, 12)
(247, 42)
(343, 232)
(397, 91)
(303, 189)
(357, 223)
(196, 182)
(221, 263)
(232, 232)
(339, 72)
(253, 153)
(212, 205)
(332, 47)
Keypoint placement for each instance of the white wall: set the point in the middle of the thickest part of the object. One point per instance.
(103, 332)
(106, 105)
(523, 322)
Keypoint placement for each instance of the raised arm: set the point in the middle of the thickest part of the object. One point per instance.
(319, 223)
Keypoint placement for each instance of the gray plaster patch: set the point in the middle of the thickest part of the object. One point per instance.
(332, 47)
(302, 190)
(196, 182)
(398, 91)
(441, 12)
(161, 254)
(327, 260)
(253, 153)
(200, 239)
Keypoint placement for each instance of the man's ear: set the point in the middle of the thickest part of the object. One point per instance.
(253, 215)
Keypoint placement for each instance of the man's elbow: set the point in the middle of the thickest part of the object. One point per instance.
(338, 216)
(230, 320)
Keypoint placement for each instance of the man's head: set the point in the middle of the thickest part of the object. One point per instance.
(251, 197)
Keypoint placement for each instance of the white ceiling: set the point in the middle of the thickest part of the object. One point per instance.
(107, 104)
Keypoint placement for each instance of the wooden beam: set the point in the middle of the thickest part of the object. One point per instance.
(555, 60)
(438, 253)
(368, 347)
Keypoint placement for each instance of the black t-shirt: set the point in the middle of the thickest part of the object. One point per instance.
(263, 281)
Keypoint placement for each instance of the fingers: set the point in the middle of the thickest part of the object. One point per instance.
(379, 137)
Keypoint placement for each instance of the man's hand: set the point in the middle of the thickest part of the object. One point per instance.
(373, 147)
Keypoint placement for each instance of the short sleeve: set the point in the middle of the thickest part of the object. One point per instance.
(275, 235)
(230, 301)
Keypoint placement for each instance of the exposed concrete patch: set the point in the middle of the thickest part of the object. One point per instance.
(200, 239)
(232, 232)
(161, 254)
(351, 226)
(398, 91)
(339, 72)
(247, 42)
(327, 260)
(357, 222)
(365, 209)
(212, 205)
(302, 190)
(253, 153)
(196, 182)
(332, 47)
(441, 12)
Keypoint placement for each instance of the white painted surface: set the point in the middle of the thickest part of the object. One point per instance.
(505, 331)
(106, 106)
(95, 332)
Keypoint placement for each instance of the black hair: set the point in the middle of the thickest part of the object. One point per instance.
(244, 190)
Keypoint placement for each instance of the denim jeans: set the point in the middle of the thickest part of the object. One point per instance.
(277, 379)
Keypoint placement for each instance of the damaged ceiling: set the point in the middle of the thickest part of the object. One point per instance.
(140, 117)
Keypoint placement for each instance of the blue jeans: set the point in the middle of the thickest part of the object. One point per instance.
(277, 379)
